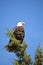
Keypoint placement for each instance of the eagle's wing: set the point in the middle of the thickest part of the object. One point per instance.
(19, 32)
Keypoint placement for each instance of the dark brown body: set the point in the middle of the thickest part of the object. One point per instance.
(19, 33)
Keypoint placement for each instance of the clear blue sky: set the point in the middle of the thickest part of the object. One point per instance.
(13, 11)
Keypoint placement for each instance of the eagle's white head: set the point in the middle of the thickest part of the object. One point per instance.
(20, 23)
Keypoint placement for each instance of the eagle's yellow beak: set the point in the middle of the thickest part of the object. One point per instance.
(22, 23)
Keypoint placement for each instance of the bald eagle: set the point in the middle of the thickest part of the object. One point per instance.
(19, 33)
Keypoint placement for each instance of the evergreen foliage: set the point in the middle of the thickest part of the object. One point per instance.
(20, 51)
(38, 56)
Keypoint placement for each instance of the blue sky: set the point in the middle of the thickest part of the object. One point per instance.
(13, 11)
